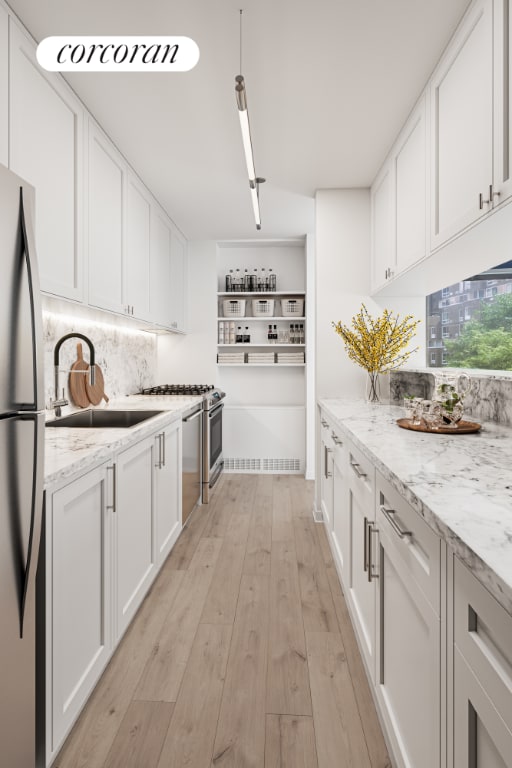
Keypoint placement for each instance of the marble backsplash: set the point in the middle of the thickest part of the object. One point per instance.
(127, 356)
(489, 399)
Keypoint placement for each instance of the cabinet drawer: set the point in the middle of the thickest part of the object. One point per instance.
(415, 542)
(483, 633)
(361, 476)
(326, 430)
(338, 448)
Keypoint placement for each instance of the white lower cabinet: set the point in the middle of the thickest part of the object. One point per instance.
(79, 597)
(360, 587)
(408, 636)
(482, 676)
(168, 490)
(107, 534)
(134, 524)
(437, 645)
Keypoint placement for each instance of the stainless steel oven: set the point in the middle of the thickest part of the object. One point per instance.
(213, 461)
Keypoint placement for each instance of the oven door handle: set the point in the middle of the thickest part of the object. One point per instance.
(217, 474)
(194, 416)
(217, 408)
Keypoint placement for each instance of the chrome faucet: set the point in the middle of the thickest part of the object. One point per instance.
(57, 404)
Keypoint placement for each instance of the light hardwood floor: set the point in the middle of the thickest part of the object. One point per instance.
(242, 655)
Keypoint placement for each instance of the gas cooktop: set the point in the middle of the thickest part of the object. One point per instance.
(178, 389)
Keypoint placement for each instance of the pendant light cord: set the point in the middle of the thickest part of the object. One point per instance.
(240, 41)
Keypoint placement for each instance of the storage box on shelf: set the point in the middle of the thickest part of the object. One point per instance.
(281, 333)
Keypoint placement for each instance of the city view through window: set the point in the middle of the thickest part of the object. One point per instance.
(469, 323)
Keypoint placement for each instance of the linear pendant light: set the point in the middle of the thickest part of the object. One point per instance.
(241, 100)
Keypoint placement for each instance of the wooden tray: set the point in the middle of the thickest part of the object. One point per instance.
(462, 428)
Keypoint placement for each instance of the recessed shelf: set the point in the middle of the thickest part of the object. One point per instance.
(236, 294)
(262, 319)
(261, 365)
(263, 344)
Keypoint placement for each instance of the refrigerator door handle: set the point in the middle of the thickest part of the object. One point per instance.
(34, 292)
(36, 513)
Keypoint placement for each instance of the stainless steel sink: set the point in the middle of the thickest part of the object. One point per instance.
(103, 419)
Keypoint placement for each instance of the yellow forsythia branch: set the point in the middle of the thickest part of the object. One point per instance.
(376, 344)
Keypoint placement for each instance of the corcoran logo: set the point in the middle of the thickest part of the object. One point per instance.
(136, 53)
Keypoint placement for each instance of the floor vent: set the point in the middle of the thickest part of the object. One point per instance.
(317, 515)
(263, 465)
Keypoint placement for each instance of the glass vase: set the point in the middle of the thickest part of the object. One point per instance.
(372, 387)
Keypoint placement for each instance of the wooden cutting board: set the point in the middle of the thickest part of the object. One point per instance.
(96, 392)
(77, 379)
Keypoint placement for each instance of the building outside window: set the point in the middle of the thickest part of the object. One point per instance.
(476, 322)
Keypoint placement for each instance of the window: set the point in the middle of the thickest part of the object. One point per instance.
(475, 321)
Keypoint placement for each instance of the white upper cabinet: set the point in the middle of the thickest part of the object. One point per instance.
(178, 281)
(461, 98)
(46, 123)
(502, 101)
(382, 240)
(4, 87)
(410, 175)
(136, 291)
(161, 268)
(105, 222)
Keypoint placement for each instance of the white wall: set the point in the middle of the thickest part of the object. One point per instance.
(342, 283)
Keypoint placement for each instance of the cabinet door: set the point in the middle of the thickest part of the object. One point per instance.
(168, 489)
(160, 269)
(326, 484)
(361, 587)
(410, 161)
(105, 222)
(134, 529)
(462, 129)
(136, 254)
(383, 249)
(178, 282)
(481, 738)
(45, 148)
(79, 596)
(502, 101)
(409, 658)
(341, 517)
(4, 87)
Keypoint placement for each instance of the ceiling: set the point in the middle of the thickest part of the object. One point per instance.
(329, 85)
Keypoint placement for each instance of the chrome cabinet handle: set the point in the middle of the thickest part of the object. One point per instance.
(492, 194)
(371, 573)
(327, 451)
(365, 545)
(324, 423)
(158, 463)
(163, 449)
(482, 202)
(336, 439)
(113, 506)
(357, 469)
(389, 515)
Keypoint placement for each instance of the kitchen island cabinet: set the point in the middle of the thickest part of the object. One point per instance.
(437, 643)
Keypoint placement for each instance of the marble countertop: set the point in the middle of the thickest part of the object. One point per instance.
(69, 452)
(461, 484)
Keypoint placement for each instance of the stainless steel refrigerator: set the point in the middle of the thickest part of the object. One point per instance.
(21, 468)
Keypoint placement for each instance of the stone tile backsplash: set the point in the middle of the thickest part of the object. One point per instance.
(126, 355)
(489, 399)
